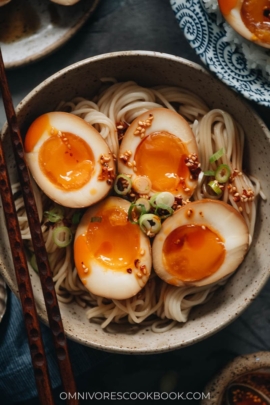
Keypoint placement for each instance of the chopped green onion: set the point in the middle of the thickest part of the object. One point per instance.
(141, 184)
(209, 173)
(162, 208)
(150, 224)
(76, 217)
(143, 202)
(153, 200)
(55, 214)
(165, 198)
(134, 212)
(216, 155)
(96, 219)
(223, 173)
(33, 263)
(215, 187)
(122, 184)
(62, 236)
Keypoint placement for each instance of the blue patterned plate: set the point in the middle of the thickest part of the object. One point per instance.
(207, 39)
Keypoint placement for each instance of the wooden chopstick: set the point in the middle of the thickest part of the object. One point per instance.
(25, 288)
(45, 272)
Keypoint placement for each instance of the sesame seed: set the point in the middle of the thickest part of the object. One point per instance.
(142, 252)
(139, 274)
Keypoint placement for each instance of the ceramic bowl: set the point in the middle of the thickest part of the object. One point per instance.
(149, 68)
(240, 367)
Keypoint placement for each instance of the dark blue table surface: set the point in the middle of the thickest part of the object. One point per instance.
(124, 25)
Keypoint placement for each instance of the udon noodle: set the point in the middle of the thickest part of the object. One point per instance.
(159, 304)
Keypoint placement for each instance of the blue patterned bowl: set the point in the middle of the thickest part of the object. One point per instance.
(207, 39)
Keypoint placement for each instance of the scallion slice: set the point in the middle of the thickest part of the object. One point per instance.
(122, 184)
(215, 187)
(209, 173)
(153, 200)
(134, 212)
(55, 214)
(223, 173)
(62, 236)
(165, 198)
(163, 211)
(141, 184)
(216, 155)
(150, 224)
(143, 202)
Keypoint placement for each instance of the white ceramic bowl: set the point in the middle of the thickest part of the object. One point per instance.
(149, 68)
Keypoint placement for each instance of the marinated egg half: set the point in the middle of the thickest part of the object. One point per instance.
(250, 18)
(112, 256)
(156, 145)
(69, 159)
(203, 242)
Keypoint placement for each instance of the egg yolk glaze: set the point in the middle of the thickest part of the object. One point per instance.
(203, 242)
(250, 18)
(159, 143)
(60, 156)
(112, 256)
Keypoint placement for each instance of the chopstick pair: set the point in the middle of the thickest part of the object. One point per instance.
(20, 264)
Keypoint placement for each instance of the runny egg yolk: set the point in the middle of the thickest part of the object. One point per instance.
(256, 16)
(111, 240)
(161, 156)
(64, 158)
(193, 252)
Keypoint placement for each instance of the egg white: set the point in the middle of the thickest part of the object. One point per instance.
(220, 218)
(235, 20)
(92, 191)
(164, 120)
(103, 280)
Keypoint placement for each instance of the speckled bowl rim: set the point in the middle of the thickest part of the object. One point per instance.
(240, 365)
(256, 289)
(57, 44)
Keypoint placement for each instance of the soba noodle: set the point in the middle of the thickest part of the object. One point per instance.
(159, 304)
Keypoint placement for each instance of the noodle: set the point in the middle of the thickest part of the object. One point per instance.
(159, 304)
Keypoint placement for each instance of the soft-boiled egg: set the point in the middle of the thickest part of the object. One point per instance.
(203, 242)
(158, 145)
(112, 255)
(250, 18)
(69, 159)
